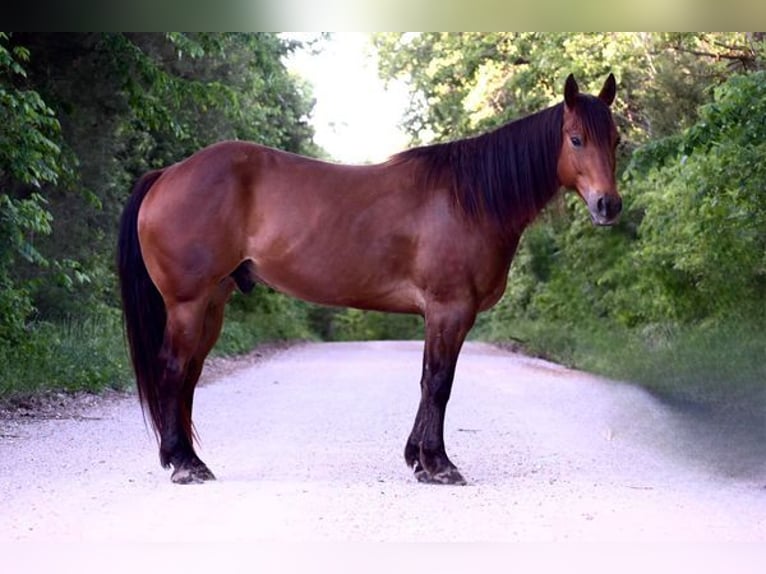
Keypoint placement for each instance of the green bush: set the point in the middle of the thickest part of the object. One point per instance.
(29, 158)
(711, 366)
(356, 325)
(701, 245)
(262, 316)
(87, 355)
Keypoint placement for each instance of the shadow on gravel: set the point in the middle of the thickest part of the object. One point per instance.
(728, 440)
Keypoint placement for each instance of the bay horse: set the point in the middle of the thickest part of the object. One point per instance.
(431, 231)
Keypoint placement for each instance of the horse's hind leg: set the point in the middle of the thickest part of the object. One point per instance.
(183, 333)
(425, 452)
(195, 470)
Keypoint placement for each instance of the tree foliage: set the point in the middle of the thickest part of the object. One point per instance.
(83, 116)
(702, 239)
(462, 83)
(29, 158)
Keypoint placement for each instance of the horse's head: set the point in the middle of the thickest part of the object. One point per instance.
(587, 157)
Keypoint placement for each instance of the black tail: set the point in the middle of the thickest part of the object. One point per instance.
(142, 305)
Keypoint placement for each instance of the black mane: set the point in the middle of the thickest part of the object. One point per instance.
(509, 174)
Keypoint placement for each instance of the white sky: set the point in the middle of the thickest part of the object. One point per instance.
(356, 118)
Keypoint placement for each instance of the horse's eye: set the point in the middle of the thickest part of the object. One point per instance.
(576, 141)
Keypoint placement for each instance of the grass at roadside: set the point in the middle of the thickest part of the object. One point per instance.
(718, 366)
(86, 355)
(91, 355)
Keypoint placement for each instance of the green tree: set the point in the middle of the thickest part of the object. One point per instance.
(83, 116)
(29, 158)
(462, 83)
(702, 240)
(131, 102)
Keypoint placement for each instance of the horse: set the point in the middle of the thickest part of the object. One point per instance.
(431, 231)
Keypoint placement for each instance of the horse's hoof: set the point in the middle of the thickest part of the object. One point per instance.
(194, 475)
(447, 476)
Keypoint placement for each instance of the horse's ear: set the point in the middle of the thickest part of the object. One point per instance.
(570, 91)
(608, 91)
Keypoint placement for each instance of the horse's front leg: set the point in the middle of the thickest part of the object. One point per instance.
(446, 329)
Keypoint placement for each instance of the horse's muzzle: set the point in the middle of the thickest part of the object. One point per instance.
(606, 210)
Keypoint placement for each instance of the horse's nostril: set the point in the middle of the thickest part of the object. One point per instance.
(609, 206)
(601, 206)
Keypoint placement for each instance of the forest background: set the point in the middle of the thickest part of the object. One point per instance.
(671, 298)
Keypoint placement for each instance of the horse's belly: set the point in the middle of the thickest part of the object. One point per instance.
(320, 281)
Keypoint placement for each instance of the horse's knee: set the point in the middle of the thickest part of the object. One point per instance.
(173, 371)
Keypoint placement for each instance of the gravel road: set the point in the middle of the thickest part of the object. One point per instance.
(307, 446)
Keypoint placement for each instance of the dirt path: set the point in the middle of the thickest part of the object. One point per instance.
(307, 446)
